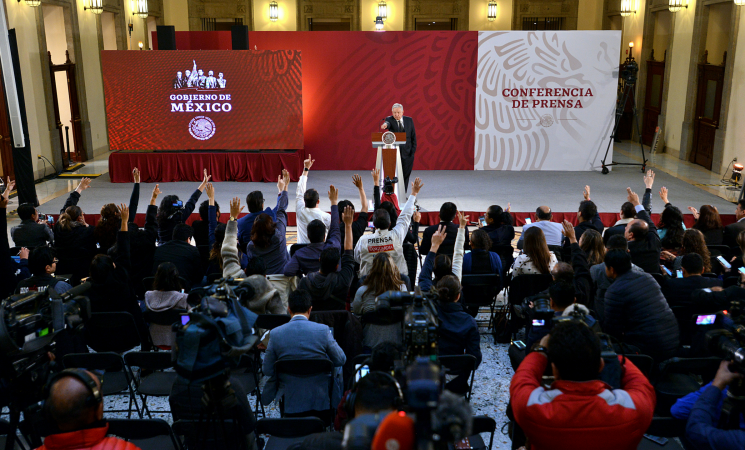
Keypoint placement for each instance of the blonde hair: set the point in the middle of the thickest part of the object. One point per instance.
(70, 216)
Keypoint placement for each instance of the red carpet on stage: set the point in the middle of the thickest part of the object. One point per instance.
(169, 167)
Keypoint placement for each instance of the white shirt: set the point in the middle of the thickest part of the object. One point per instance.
(307, 215)
(551, 230)
(387, 241)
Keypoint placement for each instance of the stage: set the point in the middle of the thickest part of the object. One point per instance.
(472, 192)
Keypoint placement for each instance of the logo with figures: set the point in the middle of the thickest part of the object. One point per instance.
(202, 128)
(547, 121)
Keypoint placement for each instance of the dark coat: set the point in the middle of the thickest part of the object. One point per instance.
(447, 246)
(184, 256)
(645, 252)
(731, 232)
(409, 148)
(329, 292)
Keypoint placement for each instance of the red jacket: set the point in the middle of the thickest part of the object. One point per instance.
(91, 438)
(581, 415)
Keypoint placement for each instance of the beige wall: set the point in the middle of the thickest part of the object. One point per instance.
(678, 86)
(139, 32)
(287, 16)
(369, 10)
(176, 13)
(735, 134)
(662, 32)
(718, 33)
(633, 30)
(478, 21)
(590, 15)
(108, 29)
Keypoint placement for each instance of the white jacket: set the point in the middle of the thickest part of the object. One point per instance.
(388, 241)
(304, 215)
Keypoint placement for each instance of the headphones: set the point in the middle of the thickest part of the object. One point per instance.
(351, 396)
(95, 397)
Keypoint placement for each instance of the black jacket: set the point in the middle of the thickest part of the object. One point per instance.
(636, 313)
(141, 242)
(731, 232)
(645, 252)
(582, 279)
(329, 292)
(184, 256)
(75, 247)
(677, 291)
(593, 224)
(715, 236)
(459, 333)
(165, 227)
(448, 245)
(31, 234)
(358, 228)
(612, 231)
(201, 232)
(408, 149)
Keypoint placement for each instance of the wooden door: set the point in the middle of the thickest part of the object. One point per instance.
(652, 100)
(708, 108)
(6, 147)
(78, 155)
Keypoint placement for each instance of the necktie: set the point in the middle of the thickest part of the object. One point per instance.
(400, 126)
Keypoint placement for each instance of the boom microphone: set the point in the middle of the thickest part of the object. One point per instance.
(395, 431)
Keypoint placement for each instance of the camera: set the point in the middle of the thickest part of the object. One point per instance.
(388, 185)
(419, 316)
(728, 340)
(630, 72)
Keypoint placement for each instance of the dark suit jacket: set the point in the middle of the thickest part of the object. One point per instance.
(731, 231)
(184, 256)
(677, 291)
(451, 230)
(645, 253)
(408, 149)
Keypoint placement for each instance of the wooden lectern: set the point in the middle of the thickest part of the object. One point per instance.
(388, 161)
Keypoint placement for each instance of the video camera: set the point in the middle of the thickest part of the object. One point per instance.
(630, 71)
(419, 316)
(727, 341)
(388, 185)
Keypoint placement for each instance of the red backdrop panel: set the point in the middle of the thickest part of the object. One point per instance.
(351, 80)
(259, 107)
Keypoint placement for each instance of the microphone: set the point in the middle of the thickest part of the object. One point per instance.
(453, 417)
(77, 290)
(395, 431)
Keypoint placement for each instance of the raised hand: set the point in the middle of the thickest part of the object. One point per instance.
(155, 194)
(333, 195)
(462, 220)
(384, 126)
(649, 179)
(6, 193)
(416, 186)
(632, 197)
(280, 183)
(357, 181)
(437, 238)
(210, 193)
(24, 253)
(124, 212)
(308, 162)
(416, 217)
(568, 231)
(376, 176)
(663, 195)
(509, 208)
(205, 180)
(348, 216)
(235, 208)
(136, 174)
(286, 178)
(586, 192)
(694, 211)
(84, 184)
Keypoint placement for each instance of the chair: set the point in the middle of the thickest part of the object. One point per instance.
(482, 424)
(112, 332)
(159, 382)
(117, 375)
(5, 433)
(556, 250)
(167, 317)
(209, 434)
(287, 431)
(306, 368)
(642, 362)
(147, 434)
(480, 290)
(722, 250)
(461, 364)
(659, 278)
(247, 375)
(271, 321)
(526, 285)
(678, 378)
(296, 247)
(667, 427)
(730, 281)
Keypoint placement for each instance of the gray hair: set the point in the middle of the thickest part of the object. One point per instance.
(397, 105)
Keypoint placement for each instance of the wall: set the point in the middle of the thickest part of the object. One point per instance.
(108, 30)
(590, 15)
(678, 86)
(633, 30)
(176, 13)
(478, 21)
(735, 134)
(139, 32)
(662, 31)
(717, 36)
(369, 10)
(287, 20)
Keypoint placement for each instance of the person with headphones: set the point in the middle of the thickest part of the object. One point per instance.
(74, 405)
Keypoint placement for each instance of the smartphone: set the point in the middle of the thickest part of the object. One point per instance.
(360, 371)
(17, 259)
(741, 270)
(482, 221)
(724, 262)
(528, 221)
(656, 439)
(667, 271)
(679, 273)
(706, 320)
(519, 344)
(184, 319)
(50, 219)
(467, 251)
(370, 225)
(178, 204)
(539, 323)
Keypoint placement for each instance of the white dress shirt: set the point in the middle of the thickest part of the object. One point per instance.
(304, 215)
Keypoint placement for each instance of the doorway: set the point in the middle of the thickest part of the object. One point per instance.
(708, 108)
(653, 99)
(6, 148)
(343, 24)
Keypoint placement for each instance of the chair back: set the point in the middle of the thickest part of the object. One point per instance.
(706, 368)
(463, 365)
(112, 332)
(222, 434)
(304, 367)
(710, 275)
(485, 424)
(167, 317)
(150, 360)
(271, 321)
(139, 429)
(642, 362)
(108, 361)
(204, 254)
(480, 290)
(290, 427)
(296, 247)
(148, 283)
(526, 285)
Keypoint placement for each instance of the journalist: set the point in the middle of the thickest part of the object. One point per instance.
(578, 411)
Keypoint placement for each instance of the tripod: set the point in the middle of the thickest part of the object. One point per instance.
(629, 75)
(733, 407)
(220, 406)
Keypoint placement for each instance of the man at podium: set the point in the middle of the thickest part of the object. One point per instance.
(398, 123)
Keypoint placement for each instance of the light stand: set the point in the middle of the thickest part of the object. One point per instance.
(629, 75)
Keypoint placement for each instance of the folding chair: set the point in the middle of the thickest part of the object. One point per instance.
(480, 290)
(271, 321)
(147, 434)
(679, 377)
(117, 375)
(296, 247)
(287, 431)
(306, 368)
(167, 317)
(482, 424)
(112, 332)
(461, 365)
(5, 435)
(156, 384)
(642, 362)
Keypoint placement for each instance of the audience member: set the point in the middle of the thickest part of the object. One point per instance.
(458, 331)
(599, 277)
(587, 216)
(670, 227)
(733, 230)
(306, 205)
(268, 239)
(42, 263)
(592, 244)
(738, 260)
(107, 227)
(636, 312)
(626, 215)
(578, 273)
(182, 254)
(578, 403)
(202, 227)
(535, 257)
(702, 430)
(360, 224)
(167, 294)
(32, 231)
(480, 260)
(75, 408)
(73, 237)
(385, 240)
(383, 277)
(307, 259)
(681, 410)
(500, 229)
(173, 211)
(693, 242)
(448, 211)
(644, 243)
(328, 287)
(255, 204)
(709, 223)
(551, 230)
(441, 265)
(302, 339)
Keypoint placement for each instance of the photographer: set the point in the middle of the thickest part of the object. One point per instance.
(701, 429)
(578, 411)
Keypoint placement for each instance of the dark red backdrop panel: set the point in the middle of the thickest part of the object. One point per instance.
(351, 80)
(199, 40)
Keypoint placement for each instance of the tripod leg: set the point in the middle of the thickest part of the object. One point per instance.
(639, 134)
(619, 114)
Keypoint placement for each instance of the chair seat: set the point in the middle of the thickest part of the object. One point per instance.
(157, 384)
(114, 382)
(677, 385)
(281, 443)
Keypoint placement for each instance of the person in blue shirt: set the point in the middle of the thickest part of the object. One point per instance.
(480, 260)
(683, 406)
(701, 430)
(255, 202)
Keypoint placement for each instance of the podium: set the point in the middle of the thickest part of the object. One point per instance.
(388, 161)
